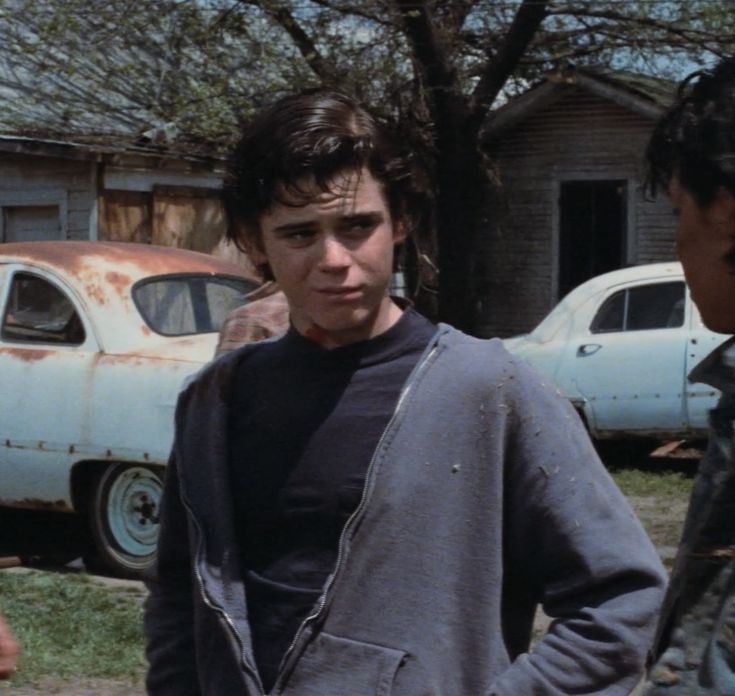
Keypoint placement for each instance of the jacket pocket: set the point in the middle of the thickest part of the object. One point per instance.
(332, 666)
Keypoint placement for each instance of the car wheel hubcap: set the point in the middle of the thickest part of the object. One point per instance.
(133, 510)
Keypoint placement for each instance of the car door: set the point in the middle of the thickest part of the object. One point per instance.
(47, 355)
(628, 361)
(700, 398)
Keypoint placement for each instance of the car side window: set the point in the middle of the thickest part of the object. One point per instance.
(179, 306)
(611, 316)
(654, 306)
(38, 312)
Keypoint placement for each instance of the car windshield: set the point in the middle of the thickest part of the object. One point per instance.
(189, 304)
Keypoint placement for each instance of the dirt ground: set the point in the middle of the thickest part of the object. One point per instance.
(662, 518)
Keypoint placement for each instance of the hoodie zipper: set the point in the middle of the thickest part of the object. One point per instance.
(290, 656)
(232, 632)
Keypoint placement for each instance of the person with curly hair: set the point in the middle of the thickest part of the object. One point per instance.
(691, 155)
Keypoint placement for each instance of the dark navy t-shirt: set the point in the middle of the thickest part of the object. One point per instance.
(304, 424)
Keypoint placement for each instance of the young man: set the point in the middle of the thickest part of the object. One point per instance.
(692, 155)
(374, 505)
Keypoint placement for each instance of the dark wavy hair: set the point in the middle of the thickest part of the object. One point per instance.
(695, 139)
(309, 138)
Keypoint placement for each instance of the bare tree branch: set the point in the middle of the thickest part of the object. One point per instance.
(303, 42)
(690, 33)
(526, 23)
(455, 13)
(380, 16)
(431, 54)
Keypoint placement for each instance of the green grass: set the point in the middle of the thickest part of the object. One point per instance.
(646, 483)
(660, 498)
(71, 626)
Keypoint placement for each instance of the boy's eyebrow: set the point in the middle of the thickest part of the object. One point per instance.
(298, 225)
(307, 222)
(369, 214)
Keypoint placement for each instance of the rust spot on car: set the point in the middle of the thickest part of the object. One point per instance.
(119, 282)
(145, 330)
(130, 360)
(27, 354)
(95, 293)
(78, 258)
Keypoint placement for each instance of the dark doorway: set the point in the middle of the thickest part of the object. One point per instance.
(592, 230)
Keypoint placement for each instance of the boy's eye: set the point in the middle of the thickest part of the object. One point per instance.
(299, 235)
(361, 224)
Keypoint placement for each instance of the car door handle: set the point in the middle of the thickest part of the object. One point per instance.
(587, 349)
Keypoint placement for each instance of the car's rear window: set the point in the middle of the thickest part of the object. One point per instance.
(189, 304)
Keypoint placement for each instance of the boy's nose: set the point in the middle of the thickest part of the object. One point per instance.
(333, 255)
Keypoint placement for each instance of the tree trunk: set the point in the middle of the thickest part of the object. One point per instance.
(462, 215)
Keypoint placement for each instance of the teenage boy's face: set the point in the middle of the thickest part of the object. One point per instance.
(333, 258)
(705, 242)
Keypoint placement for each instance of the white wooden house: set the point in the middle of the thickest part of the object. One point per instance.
(569, 153)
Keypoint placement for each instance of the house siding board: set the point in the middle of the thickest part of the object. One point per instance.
(28, 180)
(580, 136)
(657, 219)
(80, 204)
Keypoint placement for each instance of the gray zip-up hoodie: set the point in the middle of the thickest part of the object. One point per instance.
(484, 498)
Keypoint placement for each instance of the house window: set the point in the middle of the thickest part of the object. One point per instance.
(26, 223)
(592, 230)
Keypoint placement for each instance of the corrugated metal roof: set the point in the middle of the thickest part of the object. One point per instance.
(97, 146)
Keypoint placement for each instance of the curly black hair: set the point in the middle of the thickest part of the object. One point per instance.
(695, 139)
(309, 138)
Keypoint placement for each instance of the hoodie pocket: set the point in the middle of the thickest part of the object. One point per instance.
(332, 666)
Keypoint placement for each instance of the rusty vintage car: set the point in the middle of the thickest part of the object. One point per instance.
(96, 341)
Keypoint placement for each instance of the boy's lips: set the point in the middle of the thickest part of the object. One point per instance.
(340, 292)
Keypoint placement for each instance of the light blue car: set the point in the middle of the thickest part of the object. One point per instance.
(620, 347)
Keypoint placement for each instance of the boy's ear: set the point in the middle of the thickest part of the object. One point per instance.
(250, 243)
(399, 232)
